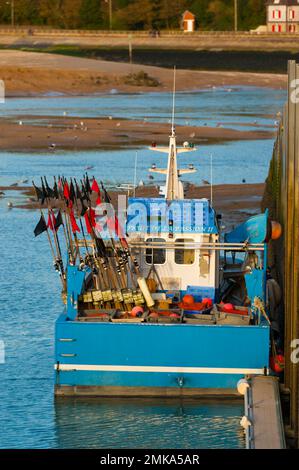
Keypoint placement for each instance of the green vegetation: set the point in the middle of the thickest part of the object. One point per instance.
(133, 14)
(141, 79)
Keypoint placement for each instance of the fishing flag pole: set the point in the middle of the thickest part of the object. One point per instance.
(43, 227)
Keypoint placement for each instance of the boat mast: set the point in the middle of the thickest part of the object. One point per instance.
(174, 188)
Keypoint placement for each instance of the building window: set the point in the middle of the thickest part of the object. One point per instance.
(184, 255)
(273, 28)
(276, 14)
(292, 14)
(155, 255)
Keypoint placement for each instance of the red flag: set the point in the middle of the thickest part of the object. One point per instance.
(95, 186)
(92, 216)
(96, 189)
(66, 191)
(87, 222)
(75, 227)
(90, 220)
(51, 221)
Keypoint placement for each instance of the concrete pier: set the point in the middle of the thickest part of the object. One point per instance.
(263, 421)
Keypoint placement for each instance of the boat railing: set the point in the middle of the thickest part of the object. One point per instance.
(198, 246)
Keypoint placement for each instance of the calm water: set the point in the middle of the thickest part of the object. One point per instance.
(236, 107)
(29, 288)
(231, 163)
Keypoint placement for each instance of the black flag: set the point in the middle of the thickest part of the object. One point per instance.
(41, 227)
(38, 192)
(87, 184)
(78, 192)
(55, 189)
(83, 210)
(50, 192)
(80, 197)
(107, 198)
(44, 191)
(85, 192)
(72, 191)
(59, 221)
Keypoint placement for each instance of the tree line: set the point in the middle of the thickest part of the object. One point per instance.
(132, 14)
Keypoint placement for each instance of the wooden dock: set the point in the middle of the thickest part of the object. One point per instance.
(263, 421)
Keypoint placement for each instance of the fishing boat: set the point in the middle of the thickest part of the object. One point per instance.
(161, 303)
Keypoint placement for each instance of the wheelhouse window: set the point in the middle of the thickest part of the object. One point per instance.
(155, 255)
(184, 255)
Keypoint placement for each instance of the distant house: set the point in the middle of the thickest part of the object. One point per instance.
(283, 16)
(188, 22)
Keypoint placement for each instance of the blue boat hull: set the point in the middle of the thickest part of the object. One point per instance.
(145, 359)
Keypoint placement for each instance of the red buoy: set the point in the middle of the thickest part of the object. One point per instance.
(228, 307)
(277, 363)
(207, 302)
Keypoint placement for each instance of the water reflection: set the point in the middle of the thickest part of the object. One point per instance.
(147, 423)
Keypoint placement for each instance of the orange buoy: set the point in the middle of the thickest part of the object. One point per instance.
(276, 230)
(136, 312)
(188, 299)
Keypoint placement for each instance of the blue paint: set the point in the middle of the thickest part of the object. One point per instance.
(136, 345)
(75, 283)
(255, 284)
(152, 215)
(254, 230)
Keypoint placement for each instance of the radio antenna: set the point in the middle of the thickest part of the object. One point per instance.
(135, 173)
(211, 175)
(173, 102)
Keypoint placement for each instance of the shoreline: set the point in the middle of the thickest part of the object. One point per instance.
(37, 73)
(75, 133)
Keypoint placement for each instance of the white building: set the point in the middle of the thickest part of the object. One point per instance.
(283, 16)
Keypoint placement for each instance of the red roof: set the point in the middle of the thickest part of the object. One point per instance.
(188, 15)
